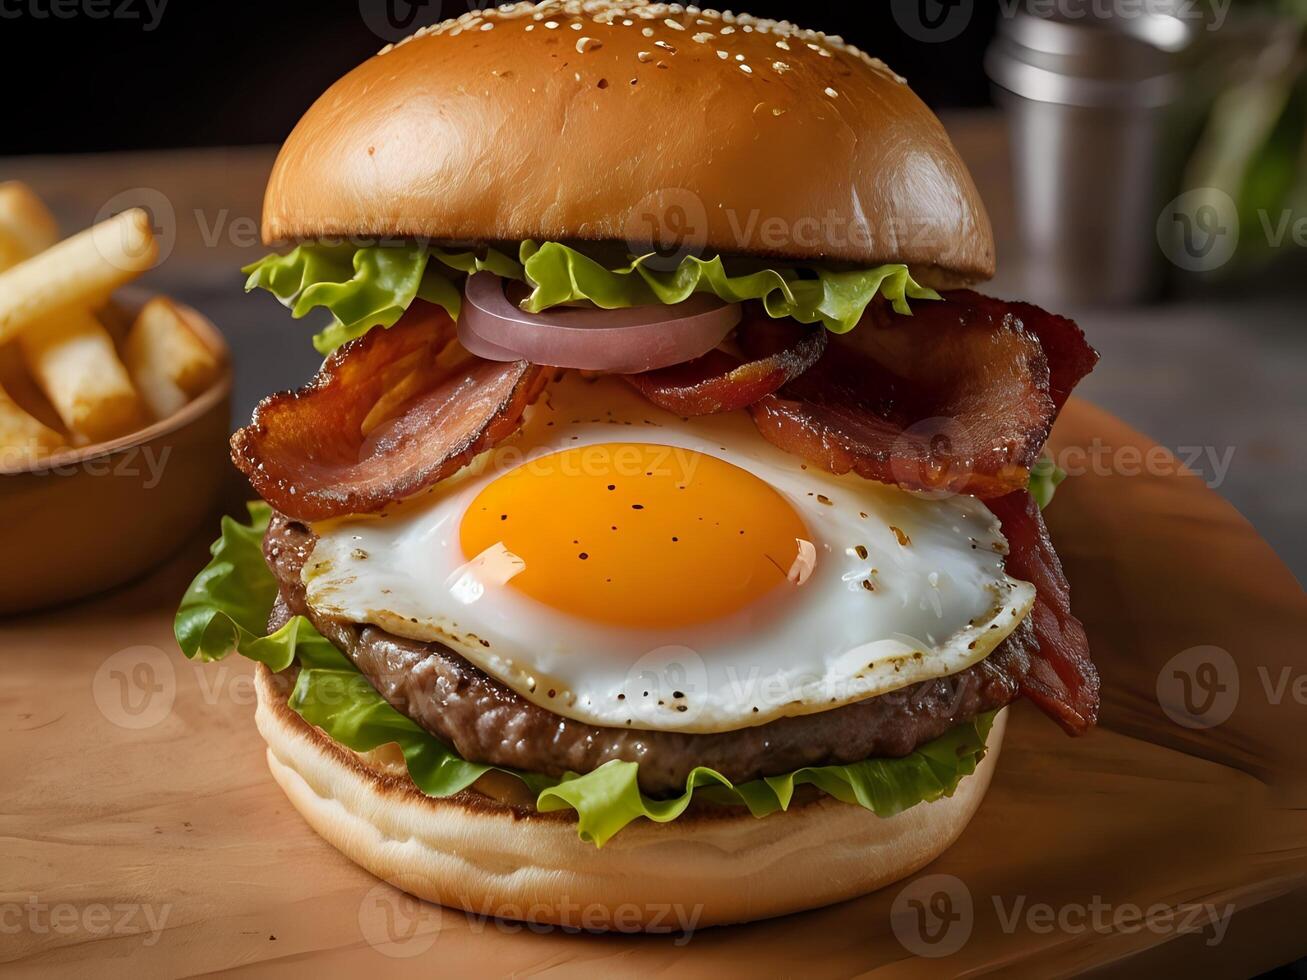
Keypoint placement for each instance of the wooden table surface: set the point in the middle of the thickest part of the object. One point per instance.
(142, 834)
(1219, 381)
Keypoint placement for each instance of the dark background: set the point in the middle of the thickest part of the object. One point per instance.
(234, 73)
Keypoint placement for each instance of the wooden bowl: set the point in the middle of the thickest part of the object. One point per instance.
(88, 519)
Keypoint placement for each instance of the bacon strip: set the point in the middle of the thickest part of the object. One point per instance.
(1059, 675)
(1070, 357)
(389, 415)
(959, 398)
(719, 382)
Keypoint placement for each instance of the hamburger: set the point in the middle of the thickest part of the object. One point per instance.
(663, 528)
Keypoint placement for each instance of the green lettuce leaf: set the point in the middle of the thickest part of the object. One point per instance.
(493, 261)
(227, 607)
(809, 294)
(362, 288)
(344, 705)
(373, 286)
(609, 798)
(1045, 477)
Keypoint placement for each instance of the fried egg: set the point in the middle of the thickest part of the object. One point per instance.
(624, 567)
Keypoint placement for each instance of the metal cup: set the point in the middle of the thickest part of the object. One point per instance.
(1102, 109)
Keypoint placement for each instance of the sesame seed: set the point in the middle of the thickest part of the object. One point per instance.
(780, 67)
(739, 57)
(585, 44)
(647, 31)
(551, 25)
(746, 69)
(665, 46)
(488, 26)
(832, 93)
(724, 55)
(645, 57)
(703, 37)
(608, 12)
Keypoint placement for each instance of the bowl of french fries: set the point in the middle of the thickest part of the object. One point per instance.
(114, 408)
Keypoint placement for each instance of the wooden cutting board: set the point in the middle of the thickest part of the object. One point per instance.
(140, 832)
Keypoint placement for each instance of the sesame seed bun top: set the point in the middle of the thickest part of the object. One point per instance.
(634, 122)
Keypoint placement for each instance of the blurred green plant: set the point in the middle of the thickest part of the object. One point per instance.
(1296, 8)
(1254, 145)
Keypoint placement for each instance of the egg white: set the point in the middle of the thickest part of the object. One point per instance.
(942, 601)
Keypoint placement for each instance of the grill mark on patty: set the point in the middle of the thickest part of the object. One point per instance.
(489, 723)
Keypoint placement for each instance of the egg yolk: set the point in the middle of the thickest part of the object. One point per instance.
(638, 536)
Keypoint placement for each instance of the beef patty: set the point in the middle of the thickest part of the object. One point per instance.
(489, 723)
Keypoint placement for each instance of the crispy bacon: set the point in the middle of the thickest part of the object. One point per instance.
(389, 415)
(720, 382)
(1059, 676)
(959, 397)
(1070, 358)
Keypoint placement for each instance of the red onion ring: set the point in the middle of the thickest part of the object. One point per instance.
(627, 341)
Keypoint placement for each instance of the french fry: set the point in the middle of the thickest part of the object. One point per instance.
(25, 222)
(26, 228)
(23, 439)
(11, 250)
(73, 360)
(168, 362)
(78, 273)
(15, 379)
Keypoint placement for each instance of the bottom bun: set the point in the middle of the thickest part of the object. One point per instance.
(488, 852)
